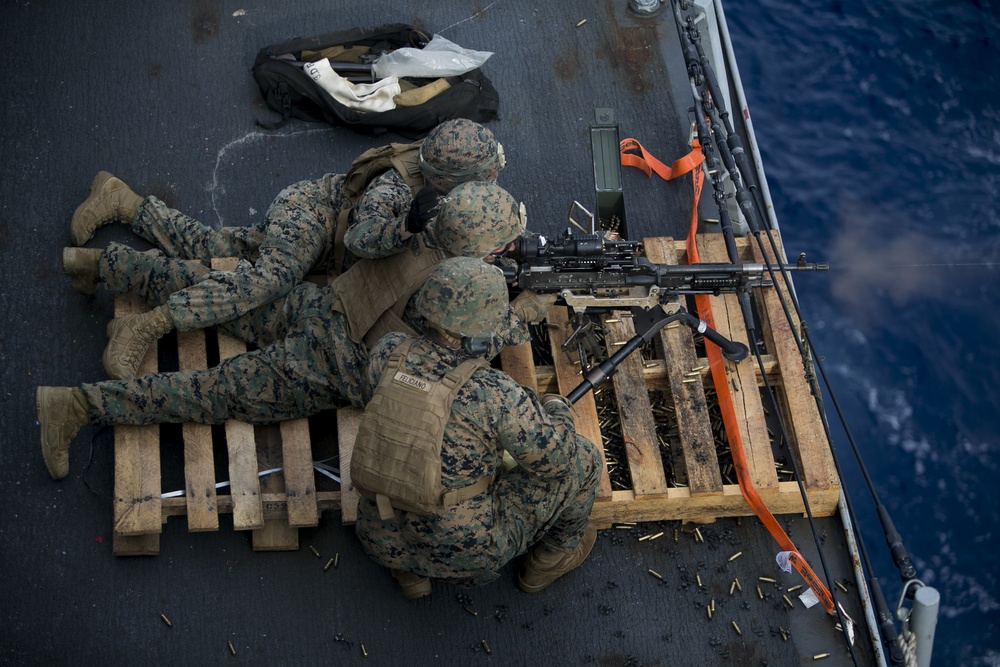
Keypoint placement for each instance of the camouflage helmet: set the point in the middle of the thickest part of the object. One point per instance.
(457, 151)
(465, 297)
(475, 218)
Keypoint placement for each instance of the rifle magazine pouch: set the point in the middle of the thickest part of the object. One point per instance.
(329, 78)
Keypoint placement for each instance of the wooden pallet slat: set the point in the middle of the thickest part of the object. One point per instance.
(348, 421)
(697, 452)
(642, 447)
(742, 376)
(300, 480)
(199, 459)
(137, 470)
(804, 425)
(276, 534)
(244, 485)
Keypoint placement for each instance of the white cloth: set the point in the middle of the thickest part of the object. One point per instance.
(364, 96)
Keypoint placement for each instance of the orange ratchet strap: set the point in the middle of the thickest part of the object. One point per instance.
(633, 154)
(718, 370)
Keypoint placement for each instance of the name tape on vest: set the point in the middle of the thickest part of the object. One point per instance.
(410, 381)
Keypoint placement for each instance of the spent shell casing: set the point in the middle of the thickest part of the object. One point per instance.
(364, 651)
(471, 610)
(655, 574)
(336, 559)
(698, 579)
(697, 532)
(329, 564)
(820, 656)
(653, 537)
(737, 628)
(792, 589)
(708, 608)
(732, 587)
(486, 647)
(841, 586)
(790, 604)
(759, 594)
(767, 579)
(166, 620)
(313, 549)
(232, 649)
(735, 556)
(739, 586)
(580, 22)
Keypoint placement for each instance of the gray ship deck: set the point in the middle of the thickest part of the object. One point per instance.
(161, 95)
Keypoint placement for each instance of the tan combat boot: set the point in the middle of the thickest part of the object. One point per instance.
(129, 338)
(413, 586)
(109, 200)
(545, 564)
(61, 413)
(82, 266)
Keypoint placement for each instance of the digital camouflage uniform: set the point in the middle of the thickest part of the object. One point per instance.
(295, 239)
(306, 362)
(548, 496)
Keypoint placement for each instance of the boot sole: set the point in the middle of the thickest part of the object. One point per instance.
(41, 398)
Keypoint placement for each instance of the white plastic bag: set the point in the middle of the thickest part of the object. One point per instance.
(439, 58)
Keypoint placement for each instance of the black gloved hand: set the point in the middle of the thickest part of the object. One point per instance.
(422, 210)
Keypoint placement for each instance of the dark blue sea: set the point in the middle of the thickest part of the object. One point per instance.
(879, 124)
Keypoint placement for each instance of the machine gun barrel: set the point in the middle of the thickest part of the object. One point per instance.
(613, 273)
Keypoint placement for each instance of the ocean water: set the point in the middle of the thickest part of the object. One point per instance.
(879, 124)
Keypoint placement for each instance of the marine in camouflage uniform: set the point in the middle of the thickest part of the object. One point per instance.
(543, 503)
(307, 361)
(296, 238)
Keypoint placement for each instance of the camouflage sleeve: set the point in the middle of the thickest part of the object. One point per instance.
(375, 231)
(512, 331)
(379, 357)
(542, 439)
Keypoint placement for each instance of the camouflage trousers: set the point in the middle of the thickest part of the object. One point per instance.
(305, 363)
(274, 255)
(518, 511)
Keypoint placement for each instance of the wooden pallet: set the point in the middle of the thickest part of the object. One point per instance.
(273, 506)
(705, 496)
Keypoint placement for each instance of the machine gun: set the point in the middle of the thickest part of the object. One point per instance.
(593, 272)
